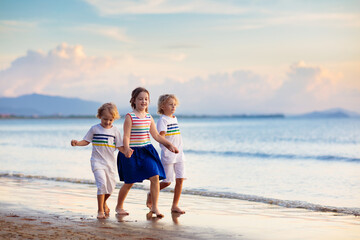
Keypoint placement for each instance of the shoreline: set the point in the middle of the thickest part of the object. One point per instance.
(52, 210)
(292, 204)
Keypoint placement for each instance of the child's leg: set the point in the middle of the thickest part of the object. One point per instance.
(106, 208)
(124, 190)
(110, 187)
(164, 185)
(155, 190)
(148, 199)
(169, 172)
(177, 193)
(179, 169)
(100, 179)
(100, 200)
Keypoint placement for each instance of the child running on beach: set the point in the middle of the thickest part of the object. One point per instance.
(105, 138)
(168, 126)
(144, 163)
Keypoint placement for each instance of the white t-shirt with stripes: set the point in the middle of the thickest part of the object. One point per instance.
(104, 143)
(170, 126)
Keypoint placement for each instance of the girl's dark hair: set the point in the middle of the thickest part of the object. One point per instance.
(134, 95)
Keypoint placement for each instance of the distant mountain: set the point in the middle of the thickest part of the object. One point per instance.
(43, 105)
(331, 113)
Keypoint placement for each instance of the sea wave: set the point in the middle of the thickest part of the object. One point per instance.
(273, 155)
(205, 193)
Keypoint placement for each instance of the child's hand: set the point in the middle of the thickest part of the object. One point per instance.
(173, 149)
(74, 143)
(128, 152)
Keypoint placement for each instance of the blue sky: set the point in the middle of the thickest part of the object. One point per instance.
(218, 57)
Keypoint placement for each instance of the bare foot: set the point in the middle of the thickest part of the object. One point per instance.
(101, 215)
(148, 201)
(121, 211)
(157, 212)
(107, 210)
(177, 210)
(149, 217)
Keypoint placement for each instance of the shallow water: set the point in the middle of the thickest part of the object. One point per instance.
(308, 163)
(205, 218)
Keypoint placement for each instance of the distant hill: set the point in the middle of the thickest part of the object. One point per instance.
(43, 105)
(330, 113)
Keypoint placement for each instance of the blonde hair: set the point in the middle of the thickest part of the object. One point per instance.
(111, 108)
(134, 95)
(163, 99)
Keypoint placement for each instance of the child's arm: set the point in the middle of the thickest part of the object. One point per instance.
(160, 138)
(126, 141)
(121, 149)
(79, 143)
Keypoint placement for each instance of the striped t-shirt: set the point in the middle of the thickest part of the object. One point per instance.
(104, 142)
(140, 130)
(170, 126)
(172, 129)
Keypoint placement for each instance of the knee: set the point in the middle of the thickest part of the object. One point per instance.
(154, 179)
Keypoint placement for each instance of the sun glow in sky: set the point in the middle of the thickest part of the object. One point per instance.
(218, 57)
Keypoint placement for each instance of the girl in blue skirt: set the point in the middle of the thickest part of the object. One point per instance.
(140, 160)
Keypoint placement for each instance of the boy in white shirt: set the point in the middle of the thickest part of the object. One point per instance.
(105, 139)
(167, 126)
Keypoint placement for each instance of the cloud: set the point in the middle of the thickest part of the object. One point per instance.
(183, 46)
(116, 33)
(277, 18)
(68, 71)
(60, 68)
(111, 7)
(231, 93)
(257, 13)
(178, 57)
(8, 26)
(307, 88)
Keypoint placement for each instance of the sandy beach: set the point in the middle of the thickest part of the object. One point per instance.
(43, 209)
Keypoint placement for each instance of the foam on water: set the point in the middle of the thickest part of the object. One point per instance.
(269, 155)
(205, 193)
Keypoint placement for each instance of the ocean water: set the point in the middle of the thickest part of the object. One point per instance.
(291, 162)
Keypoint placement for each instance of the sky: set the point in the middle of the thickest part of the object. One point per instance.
(217, 57)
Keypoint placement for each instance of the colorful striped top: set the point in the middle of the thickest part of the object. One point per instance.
(104, 143)
(172, 129)
(140, 130)
(103, 140)
(170, 126)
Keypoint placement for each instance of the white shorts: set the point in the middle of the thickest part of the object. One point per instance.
(174, 170)
(105, 181)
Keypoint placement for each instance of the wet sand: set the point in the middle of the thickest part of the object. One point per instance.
(42, 209)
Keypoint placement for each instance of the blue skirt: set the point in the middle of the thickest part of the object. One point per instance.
(143, 164)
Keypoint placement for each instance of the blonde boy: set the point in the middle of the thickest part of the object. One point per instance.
(105, 138)
(167, 126)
